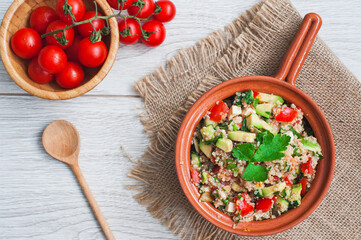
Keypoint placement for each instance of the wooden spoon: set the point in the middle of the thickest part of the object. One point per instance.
(62, 141)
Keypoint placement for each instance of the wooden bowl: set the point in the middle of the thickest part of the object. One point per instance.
(17, 17)
(292, 64)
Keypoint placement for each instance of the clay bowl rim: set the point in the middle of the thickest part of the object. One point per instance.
(66, 93)
(314, 116)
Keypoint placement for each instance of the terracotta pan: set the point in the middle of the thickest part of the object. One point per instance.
(290, 67)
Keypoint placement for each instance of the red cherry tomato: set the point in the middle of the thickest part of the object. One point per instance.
(158, 33)
(133, 29)
(52, 59)
(56, 25)
(218, 112)
(77, 8)
(72, 50)
(37, 74)
(42, 17)
(86, 29)
(167, 13)
(26, 43)
(264, 204)
(92, 54)
(304, 186)
(146, 11)
(307, 166)
(71, 77)
(195, 176)
(244, 206)
(288, 181)
(286, 115)
(115, 4)
(255, 94)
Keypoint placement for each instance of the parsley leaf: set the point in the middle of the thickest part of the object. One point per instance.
(244, 127)
(299, 135)
(231, 166)
(261, 135)
(256, 173)
(248, 98)
(271, 148)
(244, 151)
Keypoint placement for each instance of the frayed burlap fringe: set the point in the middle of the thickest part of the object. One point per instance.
(253, 44)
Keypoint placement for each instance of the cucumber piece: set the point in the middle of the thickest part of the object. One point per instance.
(204, 177)
(295, 199)
(241, 136)
(269, 191)
(283, 204)
(258, 193)
(206, 149)
(264, 109)
(269, 98)
(315, 147)
(225, 144)
(208, 122)
(195, 160)
(208, 133)
(286, 193)
(255, 121)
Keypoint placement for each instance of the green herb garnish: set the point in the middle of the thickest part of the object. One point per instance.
(231, 166)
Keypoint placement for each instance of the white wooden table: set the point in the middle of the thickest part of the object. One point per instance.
(39, 196)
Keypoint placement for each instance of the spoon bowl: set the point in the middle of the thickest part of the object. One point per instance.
(61, 140)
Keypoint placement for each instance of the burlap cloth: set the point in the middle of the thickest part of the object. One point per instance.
(253, 44)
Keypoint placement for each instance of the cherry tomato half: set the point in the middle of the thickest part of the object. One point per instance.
(77, 8)
(115, 4)
(132, 29)
(71, 77)
(56, 25)
(168, 11)
(41, 18)
(244, 206)
(147, 9)
(92, 54)
(218, 112)
(288, 181)
(52, 59)
(86, 29)
(304, 186)
(157, 33)
(286, 114)
(37, 74)
(195, 176)
(26, 43)
(307, 166)
(264, 204)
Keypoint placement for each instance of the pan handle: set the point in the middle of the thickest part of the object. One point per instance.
(299, 49)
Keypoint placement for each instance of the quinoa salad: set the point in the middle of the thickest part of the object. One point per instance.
(254, 156)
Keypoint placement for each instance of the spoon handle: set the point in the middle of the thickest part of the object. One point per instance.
(92, 202)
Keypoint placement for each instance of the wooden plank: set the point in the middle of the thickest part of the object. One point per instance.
(195, 20)
(39, 196)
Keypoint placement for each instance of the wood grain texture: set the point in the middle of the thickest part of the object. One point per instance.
(40, 198)
(340, 30)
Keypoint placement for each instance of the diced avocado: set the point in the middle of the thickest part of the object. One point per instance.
(195, 160)
(295, 199)
(225, 144)
(208, 122)
(196, 144)
(264, 109)
(315, 147)
(270, 98)
(255, 121)
(283, 204)
(206, 149)
(269, 191)
(241, 136)
(258, 193)
(208, 133)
